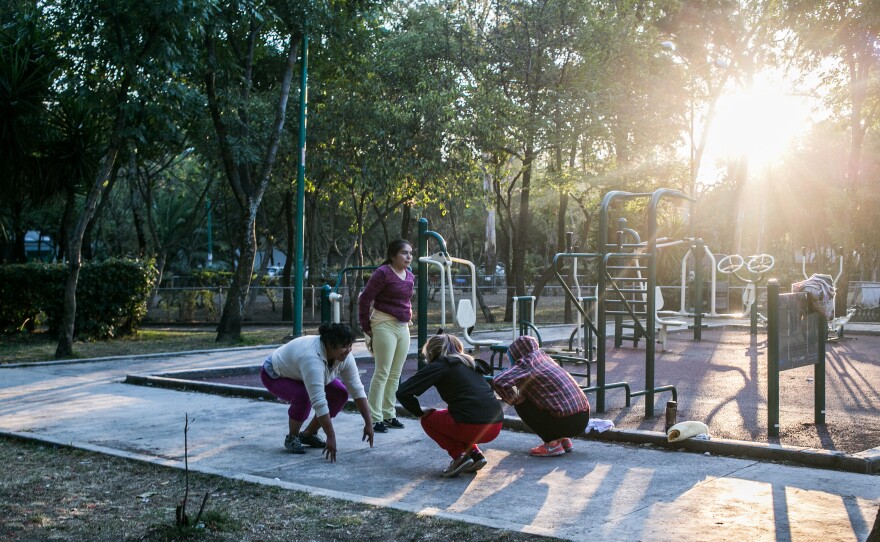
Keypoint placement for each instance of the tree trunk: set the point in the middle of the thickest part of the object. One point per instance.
(88, 248)
(491, 248)
(520, 241)
(64, 227)
(136, 202)
(19, 254)
(487, 313)
(229, 328)
(68, 319)
(249, 196)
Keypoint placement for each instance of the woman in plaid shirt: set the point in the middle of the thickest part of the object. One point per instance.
(545, 396)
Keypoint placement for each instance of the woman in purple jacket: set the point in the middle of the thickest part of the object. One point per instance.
(384, 313)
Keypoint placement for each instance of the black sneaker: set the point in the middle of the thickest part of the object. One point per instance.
(393, 423)
(380, 427)
(457, 466)
(313, 441)
(478, 462)
(293, 444)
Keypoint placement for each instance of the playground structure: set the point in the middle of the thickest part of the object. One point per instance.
(623, 291)
(331, 299)
(464, 315)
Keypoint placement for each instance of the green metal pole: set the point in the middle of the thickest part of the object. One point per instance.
(819, 370)
(300, 190)
(422, 289)
(210, 238)
(772, 358)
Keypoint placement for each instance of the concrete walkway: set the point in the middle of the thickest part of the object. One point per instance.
(601, 491)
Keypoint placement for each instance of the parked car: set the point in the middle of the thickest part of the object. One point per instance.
(278, 270)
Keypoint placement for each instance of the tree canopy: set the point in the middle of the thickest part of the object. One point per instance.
(503, 122)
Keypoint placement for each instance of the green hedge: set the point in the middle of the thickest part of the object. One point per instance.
(111, 296)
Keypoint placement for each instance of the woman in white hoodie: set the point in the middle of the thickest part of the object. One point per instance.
(306, 373)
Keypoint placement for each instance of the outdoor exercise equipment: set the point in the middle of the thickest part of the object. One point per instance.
(331, 299)
(756, 265)
(464, 315)
(695, 249)
(835, 323)
(622, 295)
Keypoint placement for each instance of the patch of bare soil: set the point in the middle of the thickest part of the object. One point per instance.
(57, 493)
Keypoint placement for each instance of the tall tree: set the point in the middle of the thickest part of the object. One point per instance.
(251, 52)
(115, 49)
(27, 65)
(838, 41)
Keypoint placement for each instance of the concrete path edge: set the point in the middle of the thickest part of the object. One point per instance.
(867, 462)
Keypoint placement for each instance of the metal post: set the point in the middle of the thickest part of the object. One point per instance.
(300, 189)
(819, 370)
(422, 288)
(753, 314)
(210, 236)
(698, 289)
(772, 358)
(325, 304)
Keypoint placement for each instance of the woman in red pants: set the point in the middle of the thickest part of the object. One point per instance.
(473, 415)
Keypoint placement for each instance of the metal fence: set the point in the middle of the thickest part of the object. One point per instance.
(203, 305)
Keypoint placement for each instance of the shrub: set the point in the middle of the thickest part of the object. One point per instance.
(111, 296)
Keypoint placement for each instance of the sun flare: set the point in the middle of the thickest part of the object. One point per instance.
(759, 122)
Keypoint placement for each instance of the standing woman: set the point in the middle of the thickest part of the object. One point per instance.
(473, 415)
(384, 313)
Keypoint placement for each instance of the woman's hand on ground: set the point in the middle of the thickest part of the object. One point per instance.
(330, 449)
(368, 433)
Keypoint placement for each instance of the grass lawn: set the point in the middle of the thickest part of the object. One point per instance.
(41, 346)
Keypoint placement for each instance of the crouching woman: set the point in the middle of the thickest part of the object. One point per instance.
(545, 397)
(306, 373)
(473, 414)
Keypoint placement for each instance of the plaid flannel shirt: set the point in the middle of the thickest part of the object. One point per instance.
(538, 378)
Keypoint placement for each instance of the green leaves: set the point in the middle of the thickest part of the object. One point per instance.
(111, 296)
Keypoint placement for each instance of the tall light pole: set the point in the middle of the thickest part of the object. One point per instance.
(300, 188)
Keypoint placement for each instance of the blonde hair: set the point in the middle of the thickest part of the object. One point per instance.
(446, 346)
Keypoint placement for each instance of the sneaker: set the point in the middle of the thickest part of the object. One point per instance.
(566, 444)
(293, 444)
(478, 461)
(380, 427)
(314, 440)
(394, 423)
(457, 466)
(547, 451)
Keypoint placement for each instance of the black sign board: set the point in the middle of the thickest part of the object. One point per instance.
(798, 332)
(795, 338)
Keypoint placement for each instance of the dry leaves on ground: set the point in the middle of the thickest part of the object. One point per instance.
(57, 493)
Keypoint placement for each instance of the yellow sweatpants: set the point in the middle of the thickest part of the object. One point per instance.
(390, 347)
